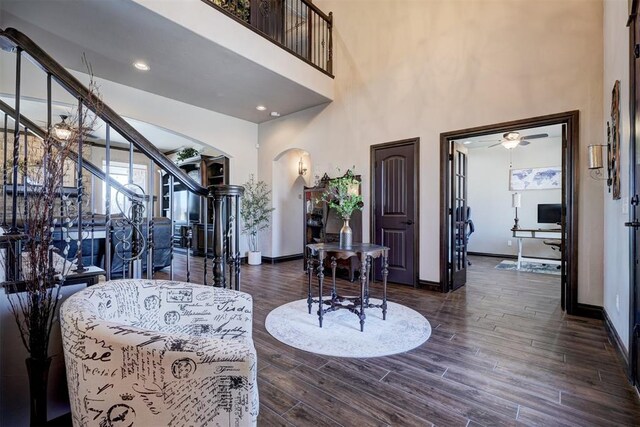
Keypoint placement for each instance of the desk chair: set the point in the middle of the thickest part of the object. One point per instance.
(469, 228)
(555, 245)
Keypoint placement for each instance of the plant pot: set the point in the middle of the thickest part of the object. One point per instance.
(38, 370)
(254, 258)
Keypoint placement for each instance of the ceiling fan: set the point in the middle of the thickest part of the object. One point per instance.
(511, 140)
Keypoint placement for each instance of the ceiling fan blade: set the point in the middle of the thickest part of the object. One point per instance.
(536, 136)
(495, 145)
(524, 143)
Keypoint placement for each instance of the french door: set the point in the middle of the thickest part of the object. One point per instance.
(458, 217)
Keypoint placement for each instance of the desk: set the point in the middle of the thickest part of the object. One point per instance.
(535, 233)
(366, 253)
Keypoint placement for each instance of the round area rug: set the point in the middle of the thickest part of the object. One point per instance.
(340, 334)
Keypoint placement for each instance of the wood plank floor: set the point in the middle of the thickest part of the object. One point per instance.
(502, 352)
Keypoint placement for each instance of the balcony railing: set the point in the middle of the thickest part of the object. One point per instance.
(297, 26)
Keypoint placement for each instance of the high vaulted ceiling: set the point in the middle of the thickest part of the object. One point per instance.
(184, 65)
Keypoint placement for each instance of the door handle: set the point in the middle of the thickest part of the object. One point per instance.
(634, 224)
(407, 222)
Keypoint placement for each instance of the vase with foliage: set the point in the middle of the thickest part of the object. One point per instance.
(343, 195)
(35, 268)
(255, 212)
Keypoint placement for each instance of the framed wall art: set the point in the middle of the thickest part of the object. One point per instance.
(549, 178)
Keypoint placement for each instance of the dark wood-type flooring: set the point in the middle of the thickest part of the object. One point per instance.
(502, 352)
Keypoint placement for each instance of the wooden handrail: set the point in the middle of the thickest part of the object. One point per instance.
(108, 115)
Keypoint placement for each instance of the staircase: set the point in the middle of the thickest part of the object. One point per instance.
(102, 224)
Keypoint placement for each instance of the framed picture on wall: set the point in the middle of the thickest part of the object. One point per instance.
(549, 178)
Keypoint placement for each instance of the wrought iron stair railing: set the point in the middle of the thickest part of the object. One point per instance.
(103, 241)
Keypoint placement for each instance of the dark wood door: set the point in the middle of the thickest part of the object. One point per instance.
(395, 208)
(634, 218)
(459, 217)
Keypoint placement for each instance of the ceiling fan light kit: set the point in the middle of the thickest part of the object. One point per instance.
(62, 129)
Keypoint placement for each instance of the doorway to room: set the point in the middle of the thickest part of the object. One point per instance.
(539, 184)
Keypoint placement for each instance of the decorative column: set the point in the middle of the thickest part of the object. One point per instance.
(226, 234)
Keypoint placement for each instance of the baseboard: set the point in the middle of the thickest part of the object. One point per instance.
(588, 310)
(494, 255)
(275, 260)
(429, 285)
(616, 340)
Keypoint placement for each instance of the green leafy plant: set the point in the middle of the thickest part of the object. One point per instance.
(187, 153)
(255, 210)
(343, 195)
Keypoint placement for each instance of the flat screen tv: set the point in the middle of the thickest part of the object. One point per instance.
(549, 213)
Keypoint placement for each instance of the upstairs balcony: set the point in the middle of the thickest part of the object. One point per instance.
(297, 26)
(227, 56)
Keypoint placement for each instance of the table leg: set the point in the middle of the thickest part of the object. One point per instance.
(519, 254)
(334, 264)
(320, 282)
(309, 274)
(369, 279)
(364, 267)
(385, 273)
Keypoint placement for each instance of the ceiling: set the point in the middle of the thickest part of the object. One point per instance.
(484, 141)
(184, 66)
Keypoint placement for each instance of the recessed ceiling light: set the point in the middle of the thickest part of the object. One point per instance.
(261, 108)
(141, 65)
(275, 114)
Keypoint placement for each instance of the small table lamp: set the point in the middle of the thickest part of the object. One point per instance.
(516, 203)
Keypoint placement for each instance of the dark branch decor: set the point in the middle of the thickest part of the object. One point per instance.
(35, 269)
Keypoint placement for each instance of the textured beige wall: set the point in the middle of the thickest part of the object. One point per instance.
(616, 212)
(418, 68)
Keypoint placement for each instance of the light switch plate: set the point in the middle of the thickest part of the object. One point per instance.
(625, 205)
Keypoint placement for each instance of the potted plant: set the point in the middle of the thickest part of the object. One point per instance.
(187, 153)
(256, 214)
(343, 195)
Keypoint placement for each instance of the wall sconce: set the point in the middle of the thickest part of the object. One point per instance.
(596, 163)
(301, 169)
(516, 202)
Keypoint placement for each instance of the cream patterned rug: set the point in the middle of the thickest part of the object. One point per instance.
(403, 330)
(529, 267)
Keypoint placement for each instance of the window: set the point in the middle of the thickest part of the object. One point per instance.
(119, 172)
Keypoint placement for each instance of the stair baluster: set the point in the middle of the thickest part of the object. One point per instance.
(173, 225)
(16, 149)
(80, 185)
(107, 202)
(206, 240)
(4, 171)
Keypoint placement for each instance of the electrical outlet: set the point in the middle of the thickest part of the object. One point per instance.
(509, 242)
(618, 302)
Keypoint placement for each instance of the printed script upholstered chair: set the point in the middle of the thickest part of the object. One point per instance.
(159, 353)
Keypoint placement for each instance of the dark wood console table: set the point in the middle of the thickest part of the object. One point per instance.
(365, 252)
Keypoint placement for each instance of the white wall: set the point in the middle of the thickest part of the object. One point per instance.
(616, 235)
(415, 69)
(490, 199)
